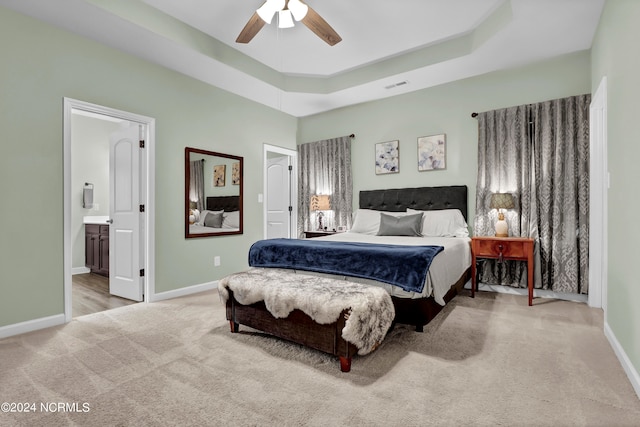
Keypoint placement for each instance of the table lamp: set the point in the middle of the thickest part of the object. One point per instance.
(319, 203)
(194, 213)
(502, 201)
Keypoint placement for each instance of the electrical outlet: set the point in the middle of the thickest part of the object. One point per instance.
(216, 261)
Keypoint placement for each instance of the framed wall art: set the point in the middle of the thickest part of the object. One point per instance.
(431, 152)
(219, 171)
(235, 173)
(387, 157)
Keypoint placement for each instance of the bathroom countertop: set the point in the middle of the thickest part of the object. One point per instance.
(96, 219)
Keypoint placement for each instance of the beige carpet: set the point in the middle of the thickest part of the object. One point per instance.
(486, 361)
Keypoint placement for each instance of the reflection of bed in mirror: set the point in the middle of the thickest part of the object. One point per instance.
(212, 204)
(222, 215)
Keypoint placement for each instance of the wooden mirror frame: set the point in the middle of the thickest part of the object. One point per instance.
(187, 178)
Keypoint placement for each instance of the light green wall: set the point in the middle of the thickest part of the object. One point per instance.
(443, 109)
(615, 55)
(40, 66)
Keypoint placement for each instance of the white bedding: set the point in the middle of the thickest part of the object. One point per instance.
(446, 268)
(199, 229)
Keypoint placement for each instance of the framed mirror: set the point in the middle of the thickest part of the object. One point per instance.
(213, 185)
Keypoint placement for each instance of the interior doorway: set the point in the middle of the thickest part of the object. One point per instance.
(280, 192)
(97, 210)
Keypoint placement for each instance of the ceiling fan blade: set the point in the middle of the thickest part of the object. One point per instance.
(249, 31)
(319, 26)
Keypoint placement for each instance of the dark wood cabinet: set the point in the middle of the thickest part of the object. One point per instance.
(96, 238)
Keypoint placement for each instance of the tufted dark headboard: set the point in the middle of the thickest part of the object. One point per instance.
(422, 198)
(223, 203)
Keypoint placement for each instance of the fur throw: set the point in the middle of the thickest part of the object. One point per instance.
(321, 298)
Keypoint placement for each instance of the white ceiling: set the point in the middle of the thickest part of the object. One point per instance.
(421, 42)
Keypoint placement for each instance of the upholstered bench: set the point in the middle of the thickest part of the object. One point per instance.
(331, 315)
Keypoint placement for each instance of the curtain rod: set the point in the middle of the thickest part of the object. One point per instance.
(353, 135)
(474, 115)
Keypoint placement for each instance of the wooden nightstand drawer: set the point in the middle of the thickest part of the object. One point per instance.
(500, 249)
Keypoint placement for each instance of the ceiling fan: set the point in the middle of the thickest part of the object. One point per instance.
(286, 9)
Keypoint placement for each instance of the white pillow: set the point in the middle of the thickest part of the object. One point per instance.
(443, 223)
(367, 221)
(231, 219)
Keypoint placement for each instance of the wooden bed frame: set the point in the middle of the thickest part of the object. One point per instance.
(300, 328)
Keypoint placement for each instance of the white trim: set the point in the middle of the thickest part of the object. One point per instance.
(598, 194)
(537, 293)
(59, 319)
(80, 270)
(194, 289)
(31, 325)
(628, 367)
(149, 202)
(267, 148)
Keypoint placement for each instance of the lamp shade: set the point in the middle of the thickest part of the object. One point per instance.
(298, 9)
(269, 8)
(502, 201)
(320, 202)
(284, 19)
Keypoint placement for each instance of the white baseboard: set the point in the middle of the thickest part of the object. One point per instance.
(628, 367)
(184, 291)
(31, 325)
(537, 293)
(58, 319)
(80, 270)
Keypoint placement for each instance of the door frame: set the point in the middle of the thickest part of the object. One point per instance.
(293, 159)
(148, 184)
(598, 195)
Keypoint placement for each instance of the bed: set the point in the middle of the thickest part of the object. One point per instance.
(414, 309)
(224, 219)
(449, 270)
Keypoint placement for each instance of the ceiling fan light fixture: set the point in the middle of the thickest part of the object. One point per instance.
(269, 8)
(287, 11)
(298, 9)
(285, 20)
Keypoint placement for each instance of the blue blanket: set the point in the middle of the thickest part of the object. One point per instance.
(400, 265)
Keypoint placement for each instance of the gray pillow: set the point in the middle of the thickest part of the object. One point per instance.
(406, 225)
(213, 220)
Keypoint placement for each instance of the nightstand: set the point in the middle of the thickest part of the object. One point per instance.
(502, 248)
(311, 234)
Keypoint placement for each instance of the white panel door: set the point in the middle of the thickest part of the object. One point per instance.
(124, 198)
(278, 198)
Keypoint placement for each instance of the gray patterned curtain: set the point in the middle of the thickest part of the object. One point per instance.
(561, 192)
(540, 154)
(324, 167)
(196, 183)
(504, 166)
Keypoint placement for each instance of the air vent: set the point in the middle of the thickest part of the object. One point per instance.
(402, 83)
